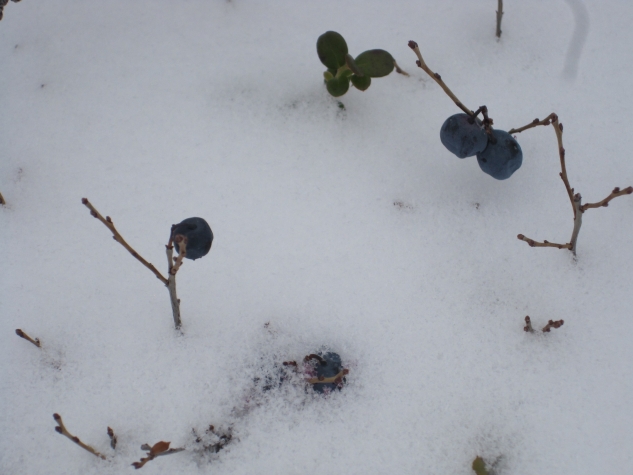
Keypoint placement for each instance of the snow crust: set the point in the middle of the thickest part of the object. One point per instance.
(352, 230)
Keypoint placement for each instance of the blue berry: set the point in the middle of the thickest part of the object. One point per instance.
(328, 366)
(502, 157)
(199, 236)
(463, 135)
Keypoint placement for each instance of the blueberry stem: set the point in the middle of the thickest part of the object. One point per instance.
(438, 79)
(35, 341)
(118, 238)
(61, 429)
(575, 198)
(499, 15)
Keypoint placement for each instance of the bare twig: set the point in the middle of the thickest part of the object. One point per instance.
(399, 70)
(158, 449)
(575, 198)
(182, 252)
(113, 439)
(118, 238)
(171, 283)
(546, 329)
(546, 121)
(499, 15)
(605, 202)
(552, 324)
(528, 325)
(545, 243)
(62, 430)
(438, 79)
(35, 341)
(2, 202)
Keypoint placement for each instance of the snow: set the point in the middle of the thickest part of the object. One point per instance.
(352, 230)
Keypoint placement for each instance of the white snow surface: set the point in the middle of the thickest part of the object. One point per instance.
(353, 230)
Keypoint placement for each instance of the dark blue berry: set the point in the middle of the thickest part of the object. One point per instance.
(463, 135)
(502, 157)
(199, 236)
(328, 366)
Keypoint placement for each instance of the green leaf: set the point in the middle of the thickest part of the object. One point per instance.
(361, 82)
(349, 61)
(332, 48)
(479, 466)
(375, 63)
(337, 86)
(327, 75)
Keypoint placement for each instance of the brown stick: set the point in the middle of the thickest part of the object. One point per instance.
(575, 199)
(62, 430)
(21, 334)
(552, 324)
(546, 121)
(438, 79)
(118, 238)
(171, 282)
(545, 243)
(499, 15)
(605, 202)
(113, 439)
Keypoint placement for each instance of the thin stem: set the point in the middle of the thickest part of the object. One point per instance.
(182, 252)
(605, 202)
(62, 430)
(171, 285)
(113, 438)
(399, 70)
(35, 341)
(577, 222)
(546, 121)
(118, 238)
(558, 129)
(438, 79)
(553, 324)
(545, 243)
(499, 15)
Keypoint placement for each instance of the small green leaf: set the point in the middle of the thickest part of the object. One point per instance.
(479, 466)
(328, 75)
(375, 63)
(332, 48)
(361, 83)
(352, 65)
(337, 86)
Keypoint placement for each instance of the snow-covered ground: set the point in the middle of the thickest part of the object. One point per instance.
(353, 230)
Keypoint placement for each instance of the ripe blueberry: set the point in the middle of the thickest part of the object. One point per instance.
(463, 135)
(199, 236)
(502, 157)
